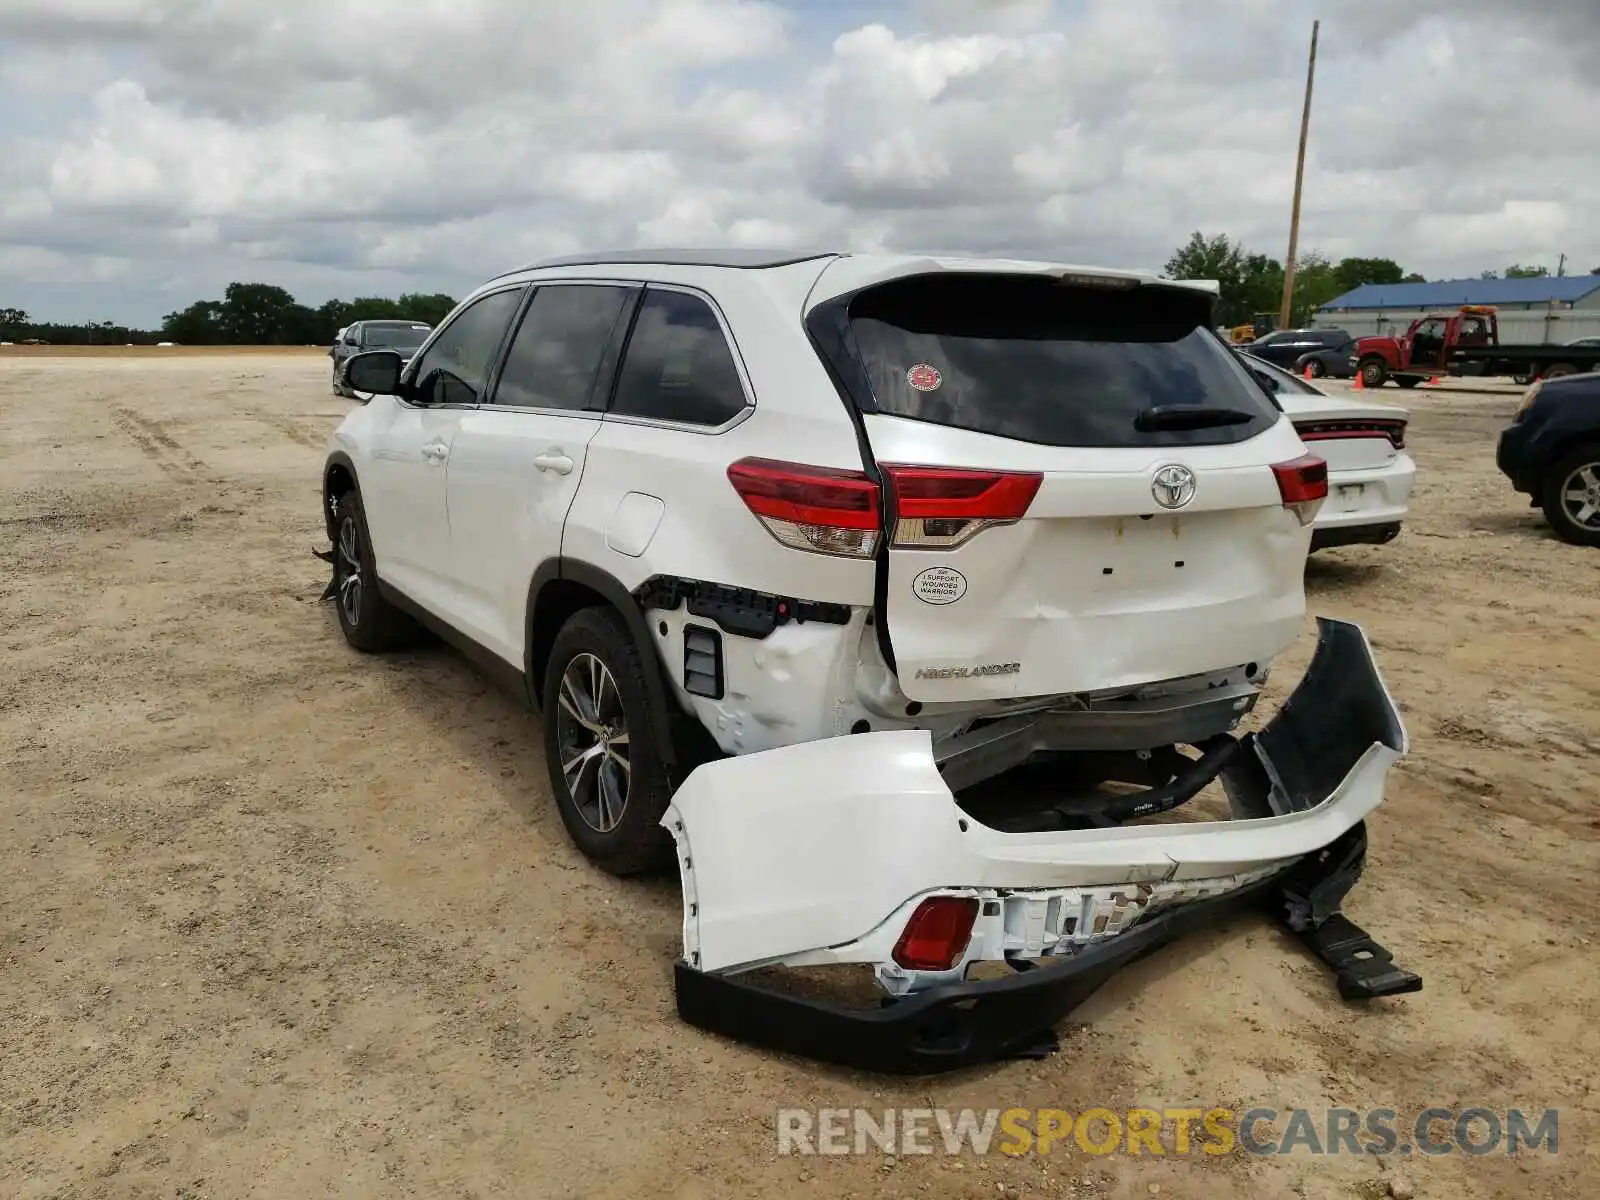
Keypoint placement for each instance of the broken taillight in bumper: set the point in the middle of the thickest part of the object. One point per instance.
(853, 850)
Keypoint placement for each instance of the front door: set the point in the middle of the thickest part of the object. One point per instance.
(1427, 344)
(404, 483)
(517, 459)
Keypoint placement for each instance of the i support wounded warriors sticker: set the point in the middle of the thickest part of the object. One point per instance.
(939, 585)
(924, 378)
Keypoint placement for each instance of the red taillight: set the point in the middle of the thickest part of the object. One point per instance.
(1303, 484)
(820, 509)
(1325, 431)
(942, 507)
(937, 933)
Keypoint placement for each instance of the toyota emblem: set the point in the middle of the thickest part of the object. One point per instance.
(1173, 486)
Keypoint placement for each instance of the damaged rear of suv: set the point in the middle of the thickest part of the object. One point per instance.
(1111, 584)
(906, 594)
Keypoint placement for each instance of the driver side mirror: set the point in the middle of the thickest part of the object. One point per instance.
(375, 371)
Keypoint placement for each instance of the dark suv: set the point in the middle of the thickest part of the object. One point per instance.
(1551, 453)
(403, 337)
(1325, 349)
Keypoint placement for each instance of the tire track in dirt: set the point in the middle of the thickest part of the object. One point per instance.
(160, 447)
(289, 427)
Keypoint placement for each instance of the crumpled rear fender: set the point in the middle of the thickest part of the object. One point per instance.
(815, 847)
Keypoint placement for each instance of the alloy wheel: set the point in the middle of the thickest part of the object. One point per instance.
(1580, 496)
(348, 568)
(592, 736)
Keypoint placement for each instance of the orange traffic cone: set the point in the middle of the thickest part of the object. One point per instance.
(1433, 381)
(1308, 371)
(1358, 386)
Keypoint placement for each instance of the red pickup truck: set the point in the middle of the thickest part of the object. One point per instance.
(1464, 342)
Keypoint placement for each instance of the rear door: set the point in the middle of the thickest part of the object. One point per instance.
(1284, 347)
(517, 459)
(1080, 487)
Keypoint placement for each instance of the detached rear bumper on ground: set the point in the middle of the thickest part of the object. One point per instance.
(841, 851)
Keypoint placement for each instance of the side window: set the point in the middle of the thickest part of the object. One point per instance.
(556, 354)
(456, 366)
(678, 365)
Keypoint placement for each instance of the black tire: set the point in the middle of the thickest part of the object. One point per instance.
(1569, 469)
(630, 841)
(338, 389)
(1318, 371)
(1374, 372)
(1407, 381)
(369, 622)
(1557, 370)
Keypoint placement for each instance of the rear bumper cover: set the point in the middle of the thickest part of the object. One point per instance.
(1379, 534)
(817, 853)
(1365, 505)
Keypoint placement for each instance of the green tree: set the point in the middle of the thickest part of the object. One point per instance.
(1316, 281)
(12, 322)
(1415, 278)
(262, 314)
(1246, 281)
(1260, 286)
(433, 308)
(257, 314)
(1253, 283)
(1353, 272)
(200, 324)
(1216, 258)
(1518, 271)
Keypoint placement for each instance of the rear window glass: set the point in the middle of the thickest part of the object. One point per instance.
(397, 337)
(1045, 362)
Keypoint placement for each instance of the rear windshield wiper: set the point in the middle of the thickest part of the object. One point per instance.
(1189, 416)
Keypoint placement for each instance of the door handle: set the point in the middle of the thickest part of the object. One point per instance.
(437, 451)
(553, 461)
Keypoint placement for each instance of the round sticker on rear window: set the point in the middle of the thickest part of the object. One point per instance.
(940, 585)
(924, 377)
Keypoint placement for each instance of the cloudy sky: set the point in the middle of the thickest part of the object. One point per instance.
(153, 150)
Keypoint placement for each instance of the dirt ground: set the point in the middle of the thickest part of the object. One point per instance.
(280, 919)
(155, 353)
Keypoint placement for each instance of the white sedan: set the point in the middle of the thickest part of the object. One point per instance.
(1369, 473)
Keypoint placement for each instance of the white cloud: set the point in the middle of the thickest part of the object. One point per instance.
(344, 146)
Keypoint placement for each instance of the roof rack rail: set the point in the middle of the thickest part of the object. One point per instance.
(741, 258)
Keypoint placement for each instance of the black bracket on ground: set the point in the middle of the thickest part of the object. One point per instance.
(1307, 902)
(331, 590)
(1363, 969)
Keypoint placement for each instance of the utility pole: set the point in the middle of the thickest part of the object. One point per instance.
(1285, 314)
(1561, 269)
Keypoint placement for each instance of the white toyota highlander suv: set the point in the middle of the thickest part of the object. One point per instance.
(892, 587)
